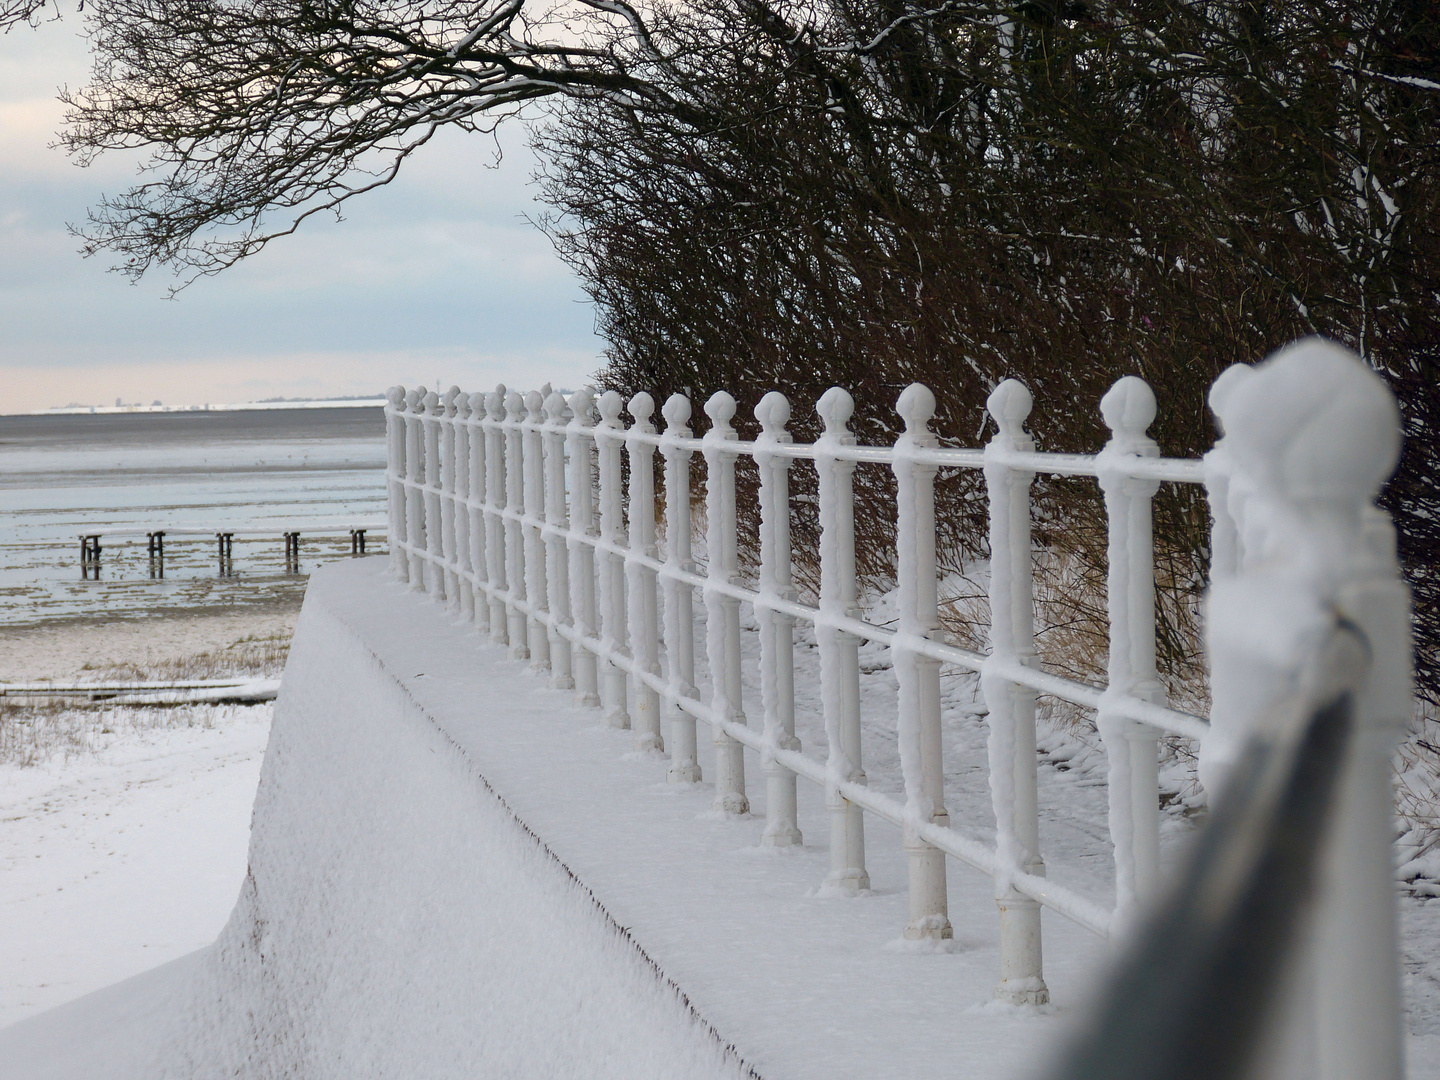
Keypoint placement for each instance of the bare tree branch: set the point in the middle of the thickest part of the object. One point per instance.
(272, 110)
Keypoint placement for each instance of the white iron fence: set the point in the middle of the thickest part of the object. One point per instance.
(510, 507)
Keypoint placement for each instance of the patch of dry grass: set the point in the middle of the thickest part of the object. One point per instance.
(33, 733)
(261, 657)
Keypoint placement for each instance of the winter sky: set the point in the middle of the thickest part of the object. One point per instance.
(437, 277)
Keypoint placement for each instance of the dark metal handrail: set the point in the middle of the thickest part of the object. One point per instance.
(1193, 995)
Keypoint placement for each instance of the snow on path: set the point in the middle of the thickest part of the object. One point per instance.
(805, 986)
(114, 864)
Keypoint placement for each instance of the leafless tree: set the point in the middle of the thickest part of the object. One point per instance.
(798, 192)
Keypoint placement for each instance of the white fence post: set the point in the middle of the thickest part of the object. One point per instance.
(722, 612)
(446, 426)
(556, 559)
(514, 536)
(460, 495)
(644, 619)
(394, 487)
(536, 588)
(1222, 492)
(921, 753)
(609, 439)
(581, 443)
(1012, 706)
(777, 629)
(434, 527)
(1310, 437)
(1134, 788)
(479, 554)
(414, 495)
(495, 560)
(679, 604)
(839, 651)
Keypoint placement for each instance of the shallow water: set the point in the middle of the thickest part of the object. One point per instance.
(269, 471)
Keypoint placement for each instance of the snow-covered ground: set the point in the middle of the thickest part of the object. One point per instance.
(395, 900)
(122, 857)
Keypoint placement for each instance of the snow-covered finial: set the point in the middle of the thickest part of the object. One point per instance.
(395, 396)
(582, 407)
(916, 406)
(1129, 409)
(447, 400)
(677, 415)
(432, 404)
(554, 407)
(461, 408)
(1010, 404)
(721, 410)
(835, 407)
(495, 402)
(642, 407)
(773, 412)
(514, 406)
(1314, 423)
(415, 399)
(534, 406)
(611, 406)
(477, 404)
(1224, 387)
(546, 390)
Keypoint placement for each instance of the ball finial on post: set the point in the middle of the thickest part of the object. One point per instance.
(835, 408)
(642, 407)
(1128, 408)
(720, 408)
(582, 405)
(1010, 404)
(916, 406)
(773, 413)
(1316, 423)
(676, 413)
(611, 406)
(555, 407)
(1223, 389)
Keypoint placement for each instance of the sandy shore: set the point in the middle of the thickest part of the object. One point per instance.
(186, 644)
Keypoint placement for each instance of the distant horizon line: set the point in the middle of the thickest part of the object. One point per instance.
(353, 402)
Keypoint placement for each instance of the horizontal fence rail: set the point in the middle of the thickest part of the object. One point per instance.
(537, 519)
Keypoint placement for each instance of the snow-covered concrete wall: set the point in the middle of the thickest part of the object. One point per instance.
(398, 920)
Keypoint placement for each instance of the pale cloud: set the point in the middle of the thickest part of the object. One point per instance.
(437, 276)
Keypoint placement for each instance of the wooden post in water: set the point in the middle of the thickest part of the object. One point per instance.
(155, 547)
(90, 556)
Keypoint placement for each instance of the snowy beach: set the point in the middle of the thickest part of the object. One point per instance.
(123, 831)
